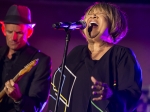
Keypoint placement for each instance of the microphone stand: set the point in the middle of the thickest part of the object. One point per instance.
(63, 65)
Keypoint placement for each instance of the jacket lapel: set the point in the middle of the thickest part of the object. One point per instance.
(3, 51)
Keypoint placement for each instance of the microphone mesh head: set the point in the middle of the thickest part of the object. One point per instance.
(83, 24)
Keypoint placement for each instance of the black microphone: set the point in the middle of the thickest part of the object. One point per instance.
(70, 25)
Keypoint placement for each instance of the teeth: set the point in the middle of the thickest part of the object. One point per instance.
(92, 23)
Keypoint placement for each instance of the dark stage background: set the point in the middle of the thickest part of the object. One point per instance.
(51, 42)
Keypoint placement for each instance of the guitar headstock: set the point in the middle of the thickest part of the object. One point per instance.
(28, 67)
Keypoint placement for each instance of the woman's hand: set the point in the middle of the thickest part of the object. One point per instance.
(101, 90)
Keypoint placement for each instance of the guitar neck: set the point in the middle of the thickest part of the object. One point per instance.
(17, 77)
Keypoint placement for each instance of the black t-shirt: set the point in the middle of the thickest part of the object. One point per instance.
(118, 65)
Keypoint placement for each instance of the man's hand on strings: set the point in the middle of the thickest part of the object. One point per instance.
(12, 90)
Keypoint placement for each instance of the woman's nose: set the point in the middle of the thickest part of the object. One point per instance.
(94, 16)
